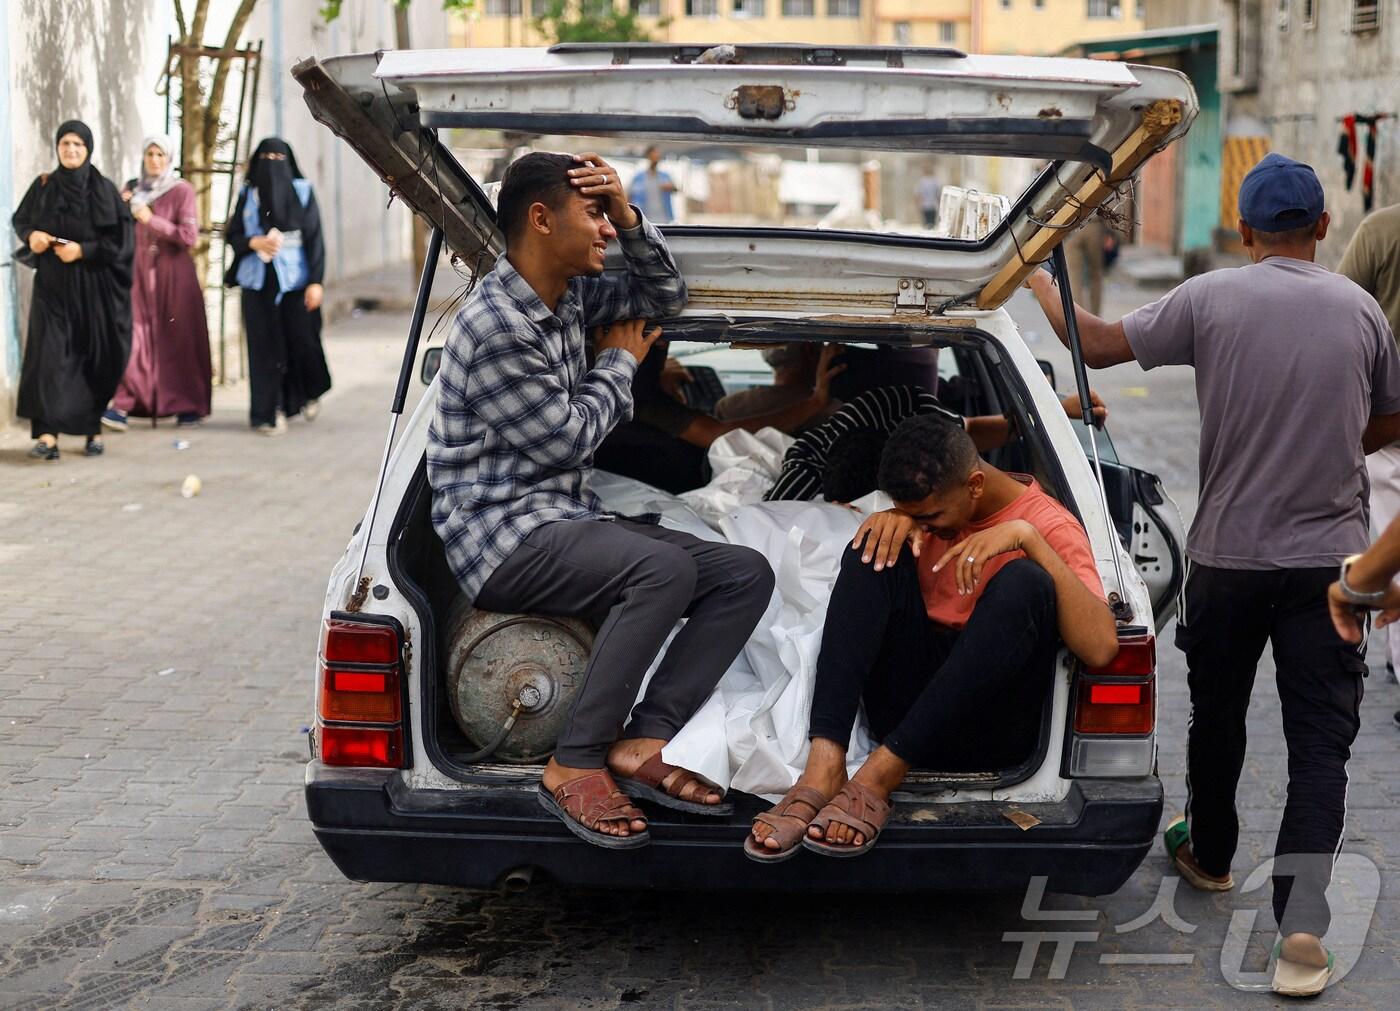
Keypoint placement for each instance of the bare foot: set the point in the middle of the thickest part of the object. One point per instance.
(555, 775)
(882, 772)
(825, 773)
(1305, 949)
(630, 754)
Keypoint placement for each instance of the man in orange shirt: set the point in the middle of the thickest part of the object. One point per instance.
(951, 646)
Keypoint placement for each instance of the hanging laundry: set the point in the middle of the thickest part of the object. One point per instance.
(1346, 147)
(1368, 168)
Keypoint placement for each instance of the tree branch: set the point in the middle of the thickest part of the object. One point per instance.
(180, 20)
(221, 69)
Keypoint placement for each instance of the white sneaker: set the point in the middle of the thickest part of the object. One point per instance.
(279, 427)
(311, 409)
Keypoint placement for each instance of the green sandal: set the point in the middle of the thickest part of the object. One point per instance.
(1176, 835)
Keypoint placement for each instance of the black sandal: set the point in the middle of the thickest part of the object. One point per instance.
(94, 446)
(43, 451)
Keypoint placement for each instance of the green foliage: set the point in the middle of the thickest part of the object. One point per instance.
(330, 9)
(590, 21)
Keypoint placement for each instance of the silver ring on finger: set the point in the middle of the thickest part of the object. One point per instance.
(605, 180)
(971, 559)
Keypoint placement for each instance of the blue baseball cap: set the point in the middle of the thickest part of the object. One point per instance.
(1280, 194)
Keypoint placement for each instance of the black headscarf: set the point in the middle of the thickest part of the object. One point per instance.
(277, 200)
(81, 192)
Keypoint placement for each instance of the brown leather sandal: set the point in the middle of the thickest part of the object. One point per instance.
(857, 806)
(584, 803)
(662, 784)
(788, 828)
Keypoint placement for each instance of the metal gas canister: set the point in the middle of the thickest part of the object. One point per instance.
(511, 679)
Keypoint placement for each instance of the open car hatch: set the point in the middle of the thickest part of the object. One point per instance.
(1092, 122)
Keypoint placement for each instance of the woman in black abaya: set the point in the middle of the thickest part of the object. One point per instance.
(279, 262)
(78, 236)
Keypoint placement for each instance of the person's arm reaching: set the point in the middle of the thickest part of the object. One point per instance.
(1381, 431)
(992, 431)
(704, 429)
(1104, 343)
(1372, 572)
(510, 386)
(1086, 624)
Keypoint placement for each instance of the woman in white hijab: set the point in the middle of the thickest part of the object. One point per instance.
(169, 370)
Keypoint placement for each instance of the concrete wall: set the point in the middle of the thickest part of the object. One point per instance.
(100, 60)
(1309, 77)
(53, 67)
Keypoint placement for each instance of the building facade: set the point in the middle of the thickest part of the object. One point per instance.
(1300, 75)
(1025, 27)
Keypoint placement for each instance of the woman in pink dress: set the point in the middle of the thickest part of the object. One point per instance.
(169, 370)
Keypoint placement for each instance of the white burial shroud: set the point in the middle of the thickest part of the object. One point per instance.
(751, 734)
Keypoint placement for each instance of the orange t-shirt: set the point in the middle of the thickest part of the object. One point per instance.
(1055, 523)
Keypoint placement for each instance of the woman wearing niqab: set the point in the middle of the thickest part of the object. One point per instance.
(78, 237)
(279, 262)
(169, 372)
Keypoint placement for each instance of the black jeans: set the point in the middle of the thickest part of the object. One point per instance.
(939, 699)
(1227, 617)
(636, 581)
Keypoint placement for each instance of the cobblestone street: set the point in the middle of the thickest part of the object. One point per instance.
(155, 684)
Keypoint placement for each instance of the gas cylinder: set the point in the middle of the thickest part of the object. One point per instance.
(518, 669)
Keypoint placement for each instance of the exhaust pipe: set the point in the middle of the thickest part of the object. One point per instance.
(517, 880)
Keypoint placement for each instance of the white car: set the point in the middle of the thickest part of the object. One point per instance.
(398, 790)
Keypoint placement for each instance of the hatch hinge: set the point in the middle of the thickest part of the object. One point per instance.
(911, 293)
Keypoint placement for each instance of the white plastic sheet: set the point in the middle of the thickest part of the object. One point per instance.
(751, 734)
(743, 466)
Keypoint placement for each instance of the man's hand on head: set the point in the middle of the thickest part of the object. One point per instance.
(628, 334)
(596, 178)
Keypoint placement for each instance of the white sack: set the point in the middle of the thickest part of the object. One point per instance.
(743, 465)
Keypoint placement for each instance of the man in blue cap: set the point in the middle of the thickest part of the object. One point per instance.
(1297, 378)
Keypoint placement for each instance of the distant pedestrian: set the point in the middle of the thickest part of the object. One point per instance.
(78, 234)
(169, 372)
(1298, 377)
(279, 262)
(930, 191)
(651, 189)
(1372, 260)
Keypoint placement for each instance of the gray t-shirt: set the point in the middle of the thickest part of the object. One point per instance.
(1291, 362)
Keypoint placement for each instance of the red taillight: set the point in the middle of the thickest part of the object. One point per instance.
(1117, 698)
(362, 746)
(353, 642)
(1137, 657)
(360, 696)
(360, 684)
(1114, 709)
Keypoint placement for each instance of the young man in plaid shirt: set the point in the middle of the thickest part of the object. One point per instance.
(510, 453)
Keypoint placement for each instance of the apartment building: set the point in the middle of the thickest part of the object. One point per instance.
(1027, 27)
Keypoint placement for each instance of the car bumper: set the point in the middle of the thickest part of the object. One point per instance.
(376, 830)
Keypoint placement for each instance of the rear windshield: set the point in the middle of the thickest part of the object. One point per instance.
(962, 198)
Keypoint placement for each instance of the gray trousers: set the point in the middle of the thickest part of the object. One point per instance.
(636, 581)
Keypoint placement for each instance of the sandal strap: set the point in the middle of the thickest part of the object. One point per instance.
(789, 828)
(857, 807)
(593, 799)
(669, 779)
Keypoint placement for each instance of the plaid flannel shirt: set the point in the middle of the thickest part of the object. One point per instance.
(519, 413)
